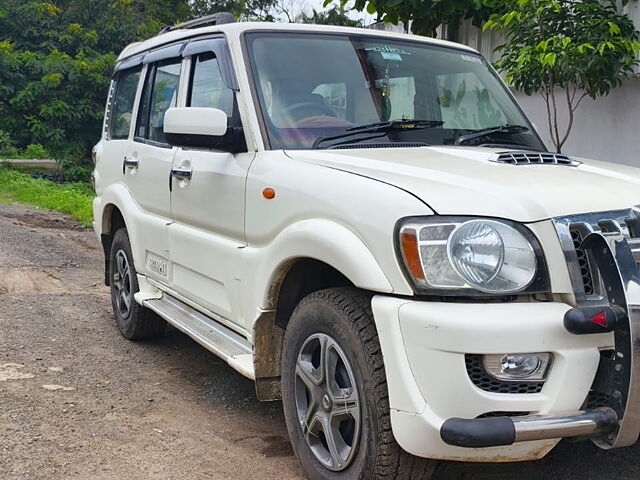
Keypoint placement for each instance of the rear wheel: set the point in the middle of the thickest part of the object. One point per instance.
(334, 392)
(133, 320)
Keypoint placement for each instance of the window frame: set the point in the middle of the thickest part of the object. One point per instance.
(111, 102)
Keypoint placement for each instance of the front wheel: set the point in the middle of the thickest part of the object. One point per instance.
(334, 392)
(133, 320)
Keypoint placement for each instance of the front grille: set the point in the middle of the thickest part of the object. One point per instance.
(585, 278)
(533, 158)
(481, 379)
(583, 263)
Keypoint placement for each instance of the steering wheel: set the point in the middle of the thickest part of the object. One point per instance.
(301, 110)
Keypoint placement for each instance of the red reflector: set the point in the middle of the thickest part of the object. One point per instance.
(600, 319)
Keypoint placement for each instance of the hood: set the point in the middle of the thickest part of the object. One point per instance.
(463, 181)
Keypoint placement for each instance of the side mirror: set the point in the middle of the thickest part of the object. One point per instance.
(200, 127)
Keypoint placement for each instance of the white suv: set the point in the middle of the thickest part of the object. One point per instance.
(367, 225)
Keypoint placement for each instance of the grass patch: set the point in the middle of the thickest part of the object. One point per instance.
(52, 170)
(72, 198)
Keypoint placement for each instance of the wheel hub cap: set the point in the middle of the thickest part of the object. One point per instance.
(122, 284)
(327, 402)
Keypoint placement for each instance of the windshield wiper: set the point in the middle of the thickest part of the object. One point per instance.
(382, 127)
(484, 132)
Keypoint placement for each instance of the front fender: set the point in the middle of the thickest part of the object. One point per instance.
(330, 243)
(118, 196)
(318, 239)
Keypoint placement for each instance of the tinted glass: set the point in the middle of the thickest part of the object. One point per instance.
(207, 87)
(160, 94)
(312, 85)
(121, 108)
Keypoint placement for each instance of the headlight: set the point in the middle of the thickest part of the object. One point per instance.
(454, 255)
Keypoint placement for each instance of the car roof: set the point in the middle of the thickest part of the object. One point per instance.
(236, 29)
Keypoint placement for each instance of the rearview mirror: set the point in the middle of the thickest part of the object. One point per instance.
(200, 127)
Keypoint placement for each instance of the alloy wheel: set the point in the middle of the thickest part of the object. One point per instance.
(327, 402)
(122, 284)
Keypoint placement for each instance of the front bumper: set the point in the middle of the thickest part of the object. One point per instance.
(435, 406)
(424, 346)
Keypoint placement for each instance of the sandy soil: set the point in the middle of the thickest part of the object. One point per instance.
(77, 401)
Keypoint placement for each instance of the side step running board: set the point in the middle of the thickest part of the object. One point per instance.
(212, 335)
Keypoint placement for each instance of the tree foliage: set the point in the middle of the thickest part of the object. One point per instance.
(426, 15)
(565, 50)
(336, 15)
(56, 58)
(257, 10)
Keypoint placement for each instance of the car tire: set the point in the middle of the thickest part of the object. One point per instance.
(133, 320)
(333, 380)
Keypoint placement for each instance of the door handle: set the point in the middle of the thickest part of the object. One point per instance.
(184, 173)
(129, 162)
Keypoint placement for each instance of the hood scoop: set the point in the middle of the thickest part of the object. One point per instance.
(533, 158)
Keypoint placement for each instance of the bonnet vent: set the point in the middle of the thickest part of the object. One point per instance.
(533, 158)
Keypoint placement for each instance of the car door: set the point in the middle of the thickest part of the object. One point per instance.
(147, 166)
(208, 201)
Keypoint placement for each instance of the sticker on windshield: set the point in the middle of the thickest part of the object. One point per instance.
(391, 56)
(471, 58)
(388, 52)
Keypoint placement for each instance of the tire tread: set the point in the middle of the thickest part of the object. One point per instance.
(392, 462)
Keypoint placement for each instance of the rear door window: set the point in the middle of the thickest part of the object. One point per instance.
(160, 93)
(120, 108)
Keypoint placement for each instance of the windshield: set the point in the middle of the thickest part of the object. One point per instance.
(317, 85)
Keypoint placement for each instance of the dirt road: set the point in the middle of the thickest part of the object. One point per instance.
(77, 401)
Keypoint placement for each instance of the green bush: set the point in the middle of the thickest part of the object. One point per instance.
(76, 170)
(36, 151)
(6, 145)
(74, 199)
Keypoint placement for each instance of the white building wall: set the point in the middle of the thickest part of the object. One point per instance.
(605, 129)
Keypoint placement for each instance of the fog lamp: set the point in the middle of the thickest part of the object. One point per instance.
(518, 366)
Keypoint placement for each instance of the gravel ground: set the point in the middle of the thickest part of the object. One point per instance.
(77, 401)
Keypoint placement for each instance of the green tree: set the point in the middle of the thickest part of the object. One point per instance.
(566, 51)
(56, 58)
(261, 10)
(426, 15)
(335, 15)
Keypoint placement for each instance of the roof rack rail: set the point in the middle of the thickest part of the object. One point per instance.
(216, 19)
